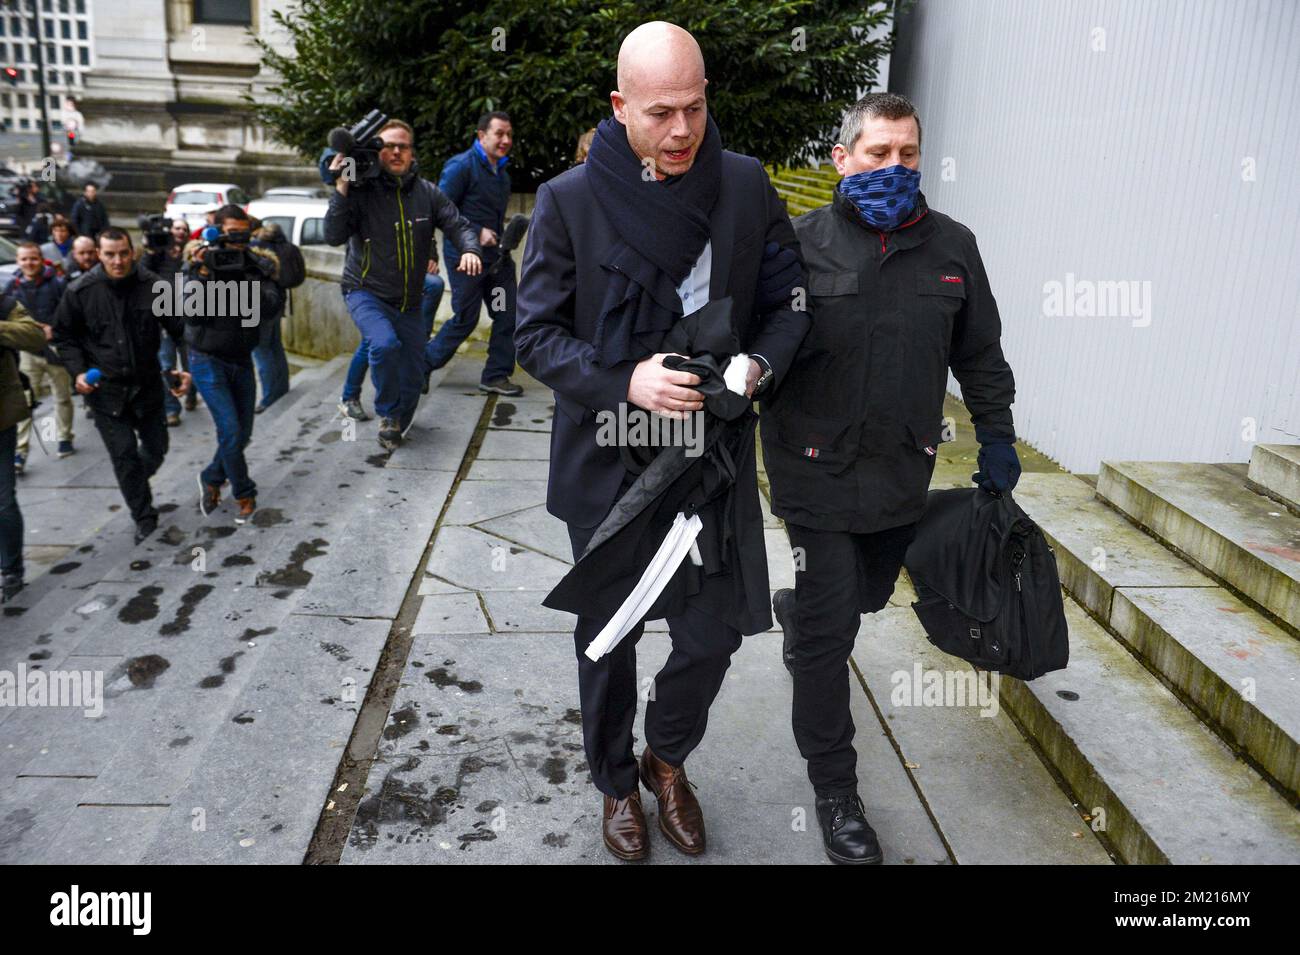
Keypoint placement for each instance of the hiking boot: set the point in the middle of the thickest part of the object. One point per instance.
(66, 450)
(173, 421)
(352, 409)
(390, 433)
(501, 386)
(247, 505)
(209, 496)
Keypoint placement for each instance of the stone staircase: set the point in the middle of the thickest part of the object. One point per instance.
(804, 189)
(1177, 720)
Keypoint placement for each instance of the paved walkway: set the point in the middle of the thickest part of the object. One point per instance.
(365, 673)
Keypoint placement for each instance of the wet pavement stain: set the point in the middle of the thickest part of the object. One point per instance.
(189, 600)
(269, 517)
(555, 771)
(442, 678)
(238, 560)
(292, 574)
(218, 531)
(401, 722)
(251, 634)
(141, 564)
(143, 606)
(180, 741)
(227, 667)
(172, 536)
(168, 507)
(67, 568)
(338, 652)
(377, 460)
(329, 437)
(503, 414)
(555, 841)
(139, 671)
(242, 718)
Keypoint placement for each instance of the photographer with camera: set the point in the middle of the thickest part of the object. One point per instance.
(221, 343)
(164, 249)
(106, 333)
(40, 288)
(387, 214)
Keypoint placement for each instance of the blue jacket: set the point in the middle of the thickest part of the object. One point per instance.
(480, 194)
(41, 297)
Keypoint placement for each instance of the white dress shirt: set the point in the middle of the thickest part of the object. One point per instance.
(694, 290)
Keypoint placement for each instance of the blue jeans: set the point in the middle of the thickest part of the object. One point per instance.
(469, 293)
(272, 365)
(229, 389)
(433, 289)
(167, 359)
(11, 519)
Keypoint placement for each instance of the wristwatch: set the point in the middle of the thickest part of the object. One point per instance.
(765, 376)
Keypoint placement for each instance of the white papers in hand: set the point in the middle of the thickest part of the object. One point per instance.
(679, 540)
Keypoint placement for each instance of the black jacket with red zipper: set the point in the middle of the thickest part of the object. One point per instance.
(849, 438)
(388, 225)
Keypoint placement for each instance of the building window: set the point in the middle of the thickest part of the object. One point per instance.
(49, 28)
(65, 29)
(4, 51)
(81, 6)
(67, 54)
(20, 52)
(54, 77)
(24, 123)
(238, 12)
(54, 103)
(22, 100)
(81, 29)
(85, 55)
(63, 6)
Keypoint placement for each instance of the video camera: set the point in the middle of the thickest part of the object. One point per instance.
(361, 144)
(157, 230)
(226, 255)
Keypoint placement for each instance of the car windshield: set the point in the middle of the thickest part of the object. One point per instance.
(8, 252)
(195, 198)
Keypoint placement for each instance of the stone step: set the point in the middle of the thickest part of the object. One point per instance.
(1276, 468)
(1160, 786)
(1207, 513)
(1231, 664)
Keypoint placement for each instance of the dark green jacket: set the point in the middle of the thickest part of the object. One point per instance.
(18, 332)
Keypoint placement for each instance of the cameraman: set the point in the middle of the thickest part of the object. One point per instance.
(106, 322)
(221, 350)
(388, 223)
(166, 260)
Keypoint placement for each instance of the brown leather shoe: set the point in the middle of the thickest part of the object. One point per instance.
(680, 816)
(623, 827)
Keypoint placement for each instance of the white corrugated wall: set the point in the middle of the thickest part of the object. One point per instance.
(1143, 142)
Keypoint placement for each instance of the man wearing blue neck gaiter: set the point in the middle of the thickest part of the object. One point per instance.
(898, 296)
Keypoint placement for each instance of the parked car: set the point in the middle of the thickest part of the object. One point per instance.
(296, 192)
(302, 219)
(192, 201)
(8, 260)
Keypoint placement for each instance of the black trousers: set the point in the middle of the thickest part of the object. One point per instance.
(134, 462)
(838, 577)
(677, 700)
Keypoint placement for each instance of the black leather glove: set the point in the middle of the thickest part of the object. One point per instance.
(778, 276)
(999, 466)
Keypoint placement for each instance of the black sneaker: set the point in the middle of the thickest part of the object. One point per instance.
(501, 386)
(390, 433)
(846, 834)
(145, 527)
(66, 449)
(10, 585)
(783, 609)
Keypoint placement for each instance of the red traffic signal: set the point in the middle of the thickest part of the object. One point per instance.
(11, 74)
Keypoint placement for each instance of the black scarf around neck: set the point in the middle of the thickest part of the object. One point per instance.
(662, 226)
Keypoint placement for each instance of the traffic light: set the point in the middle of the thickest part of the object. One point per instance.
(11, 74)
